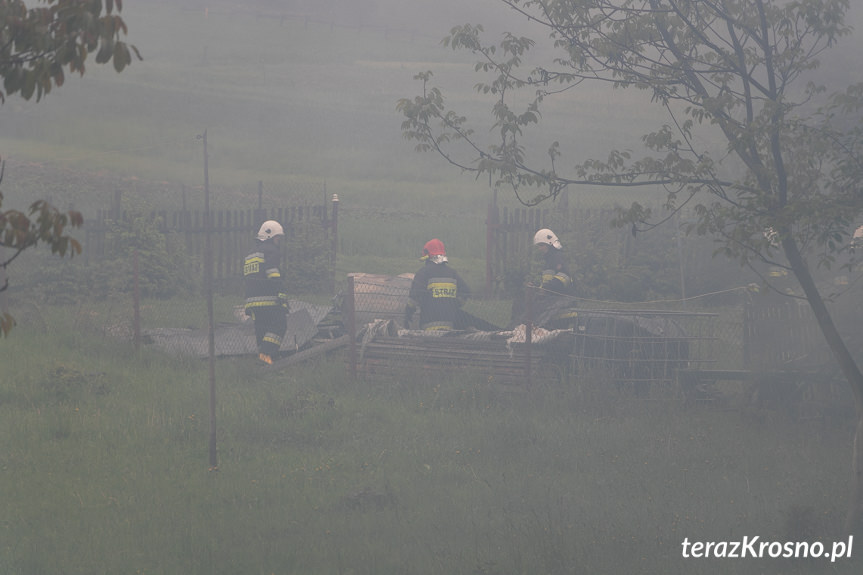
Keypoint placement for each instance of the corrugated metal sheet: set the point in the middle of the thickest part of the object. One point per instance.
(239, 338)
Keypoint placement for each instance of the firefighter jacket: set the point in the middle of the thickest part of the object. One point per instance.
(555, 274)
(262, 276)
(438, 291)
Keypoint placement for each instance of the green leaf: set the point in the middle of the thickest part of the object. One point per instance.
(7, 322)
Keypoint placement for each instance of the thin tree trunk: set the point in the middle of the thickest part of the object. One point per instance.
(849, 368)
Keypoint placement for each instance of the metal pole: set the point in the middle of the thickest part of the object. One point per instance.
(136, 322)
(208, 280)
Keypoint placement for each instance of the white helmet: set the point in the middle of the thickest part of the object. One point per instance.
(270, 229)
(546, 236)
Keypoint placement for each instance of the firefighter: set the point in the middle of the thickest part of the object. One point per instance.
(437, 290)
(555, 274)
(266, 300)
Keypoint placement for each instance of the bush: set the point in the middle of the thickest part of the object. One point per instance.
(307, 252)
(164, 268)
(163, 265)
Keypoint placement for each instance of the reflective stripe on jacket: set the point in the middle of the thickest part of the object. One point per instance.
(437, 290)
(555, 276)
(263, 278)
(549, 277)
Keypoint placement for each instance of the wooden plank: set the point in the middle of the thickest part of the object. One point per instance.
(309, 353)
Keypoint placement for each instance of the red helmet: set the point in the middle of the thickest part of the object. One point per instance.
(434, 247)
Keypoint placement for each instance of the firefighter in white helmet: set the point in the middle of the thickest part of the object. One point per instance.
(266, 300)
(555, 274)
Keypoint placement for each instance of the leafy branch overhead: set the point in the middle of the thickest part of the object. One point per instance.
(42, 222)
(765, 161)
(732, 71)
(21, 230)
(38, 43)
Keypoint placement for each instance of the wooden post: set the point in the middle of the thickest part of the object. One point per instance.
(260, 194)
(528, 335)
(334, 248)
(136, 322)
(116, 209)
(747, 327)
(680, 264)
(4, 284)
(489, 240)
(220, 256)
(351, 324)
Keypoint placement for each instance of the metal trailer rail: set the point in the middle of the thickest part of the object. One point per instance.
(490, 360)
(640, 346)
(764, 344)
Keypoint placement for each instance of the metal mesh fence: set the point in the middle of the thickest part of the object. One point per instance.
(544, 337)
(547, 334)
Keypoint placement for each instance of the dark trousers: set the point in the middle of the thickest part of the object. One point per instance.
(270, 326)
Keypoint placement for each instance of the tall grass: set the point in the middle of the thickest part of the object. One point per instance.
(104, 466)
(105, 470)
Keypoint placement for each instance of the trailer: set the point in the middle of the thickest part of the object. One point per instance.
(785, 362)
(769, 351)
(633, 347)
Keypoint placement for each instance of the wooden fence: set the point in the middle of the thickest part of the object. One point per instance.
(510, 231)
(232, 231)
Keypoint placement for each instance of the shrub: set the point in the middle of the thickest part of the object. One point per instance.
(163, 265)
(164, 268)
(307, 267)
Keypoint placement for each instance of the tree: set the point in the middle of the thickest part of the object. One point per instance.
(36, 45)
(784, 192)
(19, 231)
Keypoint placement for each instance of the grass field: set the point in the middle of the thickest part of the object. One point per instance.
(104, 468)
(271, 94)
(298, 103)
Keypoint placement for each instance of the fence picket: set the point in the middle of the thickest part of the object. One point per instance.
(232, 231)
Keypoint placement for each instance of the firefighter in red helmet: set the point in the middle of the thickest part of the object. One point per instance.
(437, 290)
